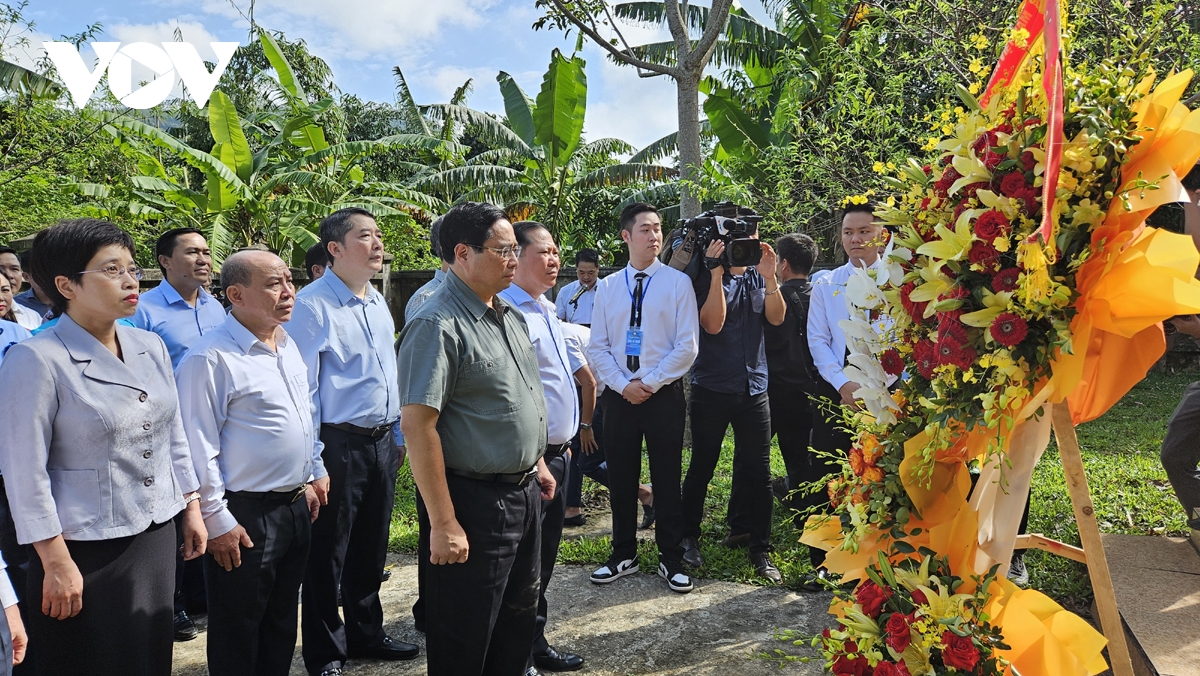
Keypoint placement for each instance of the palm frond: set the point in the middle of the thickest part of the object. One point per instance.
(21, 80)
(489, 129)
(463, 179)
(625, 174)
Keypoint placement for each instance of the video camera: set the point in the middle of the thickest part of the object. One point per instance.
(726, 221)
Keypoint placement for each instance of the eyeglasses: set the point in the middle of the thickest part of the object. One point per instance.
(506, 252)
(115, 271)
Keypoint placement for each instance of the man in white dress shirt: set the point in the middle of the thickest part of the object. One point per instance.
(10, 267)
(243, 395)
(645, 326)
(862, 239)
(536, 273)
(574, 303)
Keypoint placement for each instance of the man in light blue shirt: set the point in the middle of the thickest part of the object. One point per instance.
(246, 408)
(345, 331)
(536, 273)
(179, 310)
(418, 299)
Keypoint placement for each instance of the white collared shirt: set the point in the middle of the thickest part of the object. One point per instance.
(554, 363)
(248, 417)
(670, 327)
(828, 306)
(27, 318)
(579, 312)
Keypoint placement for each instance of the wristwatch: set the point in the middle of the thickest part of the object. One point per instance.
(585, 426)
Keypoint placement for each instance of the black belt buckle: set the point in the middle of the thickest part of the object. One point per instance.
(556, 450)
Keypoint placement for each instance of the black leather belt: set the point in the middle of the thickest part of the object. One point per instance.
(556, 450)
(289, 496)
(373, 432)
(518, 478)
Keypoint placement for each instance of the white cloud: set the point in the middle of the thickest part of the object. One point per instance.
(633, 109)
(192, 31)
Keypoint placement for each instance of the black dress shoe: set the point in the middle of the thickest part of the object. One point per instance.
(691, 553)
(554, 660)
(764, 568)
(386, 575)
(817, 580)
(185, 629)
(389, 649)
(780, 490)
(575, 521)
(647, 517)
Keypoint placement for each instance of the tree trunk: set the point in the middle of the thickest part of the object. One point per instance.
(690, 157)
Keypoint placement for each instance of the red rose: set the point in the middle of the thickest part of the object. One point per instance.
(984, 254)
(918, 597)
(990, 225)
(1006, 280)
(984, 143)
(925, 355)
(898, 631)
(1028, 161)
(914, 309)
(992, 160)
(891, 362)
(927, 169)
(891, 669)
(942, 187)
(1005, 128)
(872, 597)
(1032, 197)
(1009, 330)
(959, 652)
(1012, 183)
(845, 666)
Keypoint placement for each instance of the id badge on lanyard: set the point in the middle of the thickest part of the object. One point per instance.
(633, 342)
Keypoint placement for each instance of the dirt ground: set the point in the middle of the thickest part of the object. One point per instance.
(634, 626)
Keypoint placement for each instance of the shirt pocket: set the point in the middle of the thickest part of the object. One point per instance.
(76, 495)
(758, 300)
(490, 385)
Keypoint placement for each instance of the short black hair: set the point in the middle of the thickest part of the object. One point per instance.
(630, 213)
(335, 226)
(587, 256)
(65, 249)
(799, 250)
(435, 229)
(165, 246)
(867, 207)
(9, 249)
(1192, 180)
(23, 258)
(316, 255)
(522, 229)
(468, 223)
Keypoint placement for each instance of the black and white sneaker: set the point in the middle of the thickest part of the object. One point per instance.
(678, 581)
(1017, 572)
(614, 570)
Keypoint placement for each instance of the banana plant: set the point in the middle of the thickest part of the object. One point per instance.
(539, 163)
(267, 180)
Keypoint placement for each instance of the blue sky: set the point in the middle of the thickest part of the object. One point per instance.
(438, 43)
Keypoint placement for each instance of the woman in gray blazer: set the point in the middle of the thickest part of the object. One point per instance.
(96, 464)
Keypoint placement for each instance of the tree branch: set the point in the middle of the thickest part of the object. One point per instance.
(718, 14)
(622, 56)
(679, 32)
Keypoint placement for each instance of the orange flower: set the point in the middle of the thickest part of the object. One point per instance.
(834, 490)
(859, 497)
(857, 462)
(873, 474)
(871, 449)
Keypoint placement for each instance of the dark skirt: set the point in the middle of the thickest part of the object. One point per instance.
(125, 627)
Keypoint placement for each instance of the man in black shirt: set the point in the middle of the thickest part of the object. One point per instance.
(729, 388)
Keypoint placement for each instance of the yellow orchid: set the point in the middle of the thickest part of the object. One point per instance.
(993, 305)
(941, 605)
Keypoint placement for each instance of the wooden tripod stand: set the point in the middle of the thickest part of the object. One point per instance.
(1092, 552)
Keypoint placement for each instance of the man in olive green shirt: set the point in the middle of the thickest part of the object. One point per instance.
(473, 414)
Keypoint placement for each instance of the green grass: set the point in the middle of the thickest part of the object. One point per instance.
(1120, 452)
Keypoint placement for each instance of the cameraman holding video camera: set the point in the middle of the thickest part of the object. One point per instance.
(729, 384)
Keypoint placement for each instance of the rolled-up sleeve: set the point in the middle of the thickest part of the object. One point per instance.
(426, 364)
(29, 422)
(201, 384)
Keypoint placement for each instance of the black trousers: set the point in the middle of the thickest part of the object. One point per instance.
(659, 421)
(16, 557)
(349, 547)
(125, 626)
(792, 423)
(712, 414)
(828, 430)
(190, 595)
(252, 609)
(587, 464)
(553, 513)
(480, 615)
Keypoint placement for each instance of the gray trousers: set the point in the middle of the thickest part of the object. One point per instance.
(1181, 453)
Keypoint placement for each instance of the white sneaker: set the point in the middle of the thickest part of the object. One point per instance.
(678, 582)
(611, 571)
